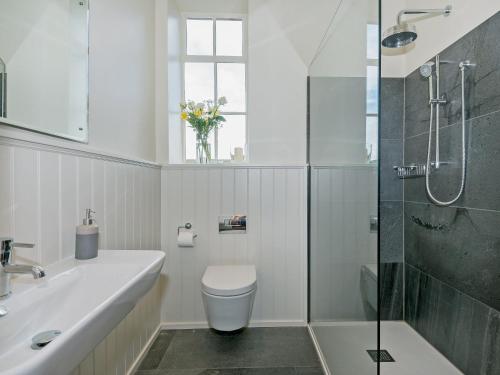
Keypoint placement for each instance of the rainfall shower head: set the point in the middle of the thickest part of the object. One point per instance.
(399, 35)
(404, 33)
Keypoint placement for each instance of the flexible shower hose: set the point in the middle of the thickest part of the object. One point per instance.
(464, 153)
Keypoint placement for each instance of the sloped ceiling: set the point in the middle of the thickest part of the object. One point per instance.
(304, 22)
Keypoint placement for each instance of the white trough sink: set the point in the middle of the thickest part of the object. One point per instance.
(85, 300)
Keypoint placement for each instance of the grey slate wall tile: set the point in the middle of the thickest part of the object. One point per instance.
(391, 187)
(463, 329)
(459, 246)
(481, 47)
(391, 232)
(452, 254)
(391, 196)
(392, 108)
(391, 291)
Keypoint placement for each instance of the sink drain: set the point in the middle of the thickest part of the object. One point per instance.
(44, 338)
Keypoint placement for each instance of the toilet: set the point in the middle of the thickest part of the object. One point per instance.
(369, 284)
(228, 293)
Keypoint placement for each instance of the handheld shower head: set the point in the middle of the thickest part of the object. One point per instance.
(426, 69)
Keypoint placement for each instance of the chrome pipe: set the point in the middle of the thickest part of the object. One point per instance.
(444, 11)
(438, 73)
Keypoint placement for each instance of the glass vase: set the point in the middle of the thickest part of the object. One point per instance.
(203, 150)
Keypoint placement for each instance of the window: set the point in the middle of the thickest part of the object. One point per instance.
(372, 93)
(215, 65)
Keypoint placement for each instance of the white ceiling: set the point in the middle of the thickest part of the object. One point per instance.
(304, 22)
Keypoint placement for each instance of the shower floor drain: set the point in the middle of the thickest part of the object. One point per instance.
(380, 356)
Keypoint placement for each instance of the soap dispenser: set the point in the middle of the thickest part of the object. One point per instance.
(87, 237)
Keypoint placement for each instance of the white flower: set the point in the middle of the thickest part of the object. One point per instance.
(200, 106)
(222, 100)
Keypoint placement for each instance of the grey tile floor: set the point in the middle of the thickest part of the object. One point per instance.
(253, 351)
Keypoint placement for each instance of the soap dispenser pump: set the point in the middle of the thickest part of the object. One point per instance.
(87, 237)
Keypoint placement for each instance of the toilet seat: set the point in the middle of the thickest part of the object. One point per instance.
(225, 281)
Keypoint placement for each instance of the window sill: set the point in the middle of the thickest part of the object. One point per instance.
(231, 166)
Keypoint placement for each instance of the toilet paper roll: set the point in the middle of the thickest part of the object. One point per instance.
(185, 238)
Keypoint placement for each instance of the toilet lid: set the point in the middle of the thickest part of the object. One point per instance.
(229, 280)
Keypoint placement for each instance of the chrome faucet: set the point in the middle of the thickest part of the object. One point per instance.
(7, 245)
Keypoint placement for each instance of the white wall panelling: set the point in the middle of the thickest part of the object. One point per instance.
(43, 194)
(342, 200)
(121, 351)
(274, 200)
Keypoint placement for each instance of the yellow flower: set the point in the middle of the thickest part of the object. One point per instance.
(184, 116)
(198, 112)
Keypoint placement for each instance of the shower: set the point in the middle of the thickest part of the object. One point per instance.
(429, 70)
(404, 33)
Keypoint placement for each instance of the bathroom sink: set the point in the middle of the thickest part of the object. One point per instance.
(84, 300)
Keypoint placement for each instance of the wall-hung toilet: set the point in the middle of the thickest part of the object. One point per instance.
(228, 294)
(369, 284)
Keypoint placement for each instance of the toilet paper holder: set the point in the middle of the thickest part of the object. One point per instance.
(187, 226)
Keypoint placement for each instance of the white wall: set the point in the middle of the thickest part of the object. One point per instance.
(122, 60)
(122, 53)
(212, 6)
(277, 97)
(274, 200)
(175, 146)
(344, 50)
(46, 64)
(337, 120)
(434, 33)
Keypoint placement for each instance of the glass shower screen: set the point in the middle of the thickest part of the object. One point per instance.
(343, 189)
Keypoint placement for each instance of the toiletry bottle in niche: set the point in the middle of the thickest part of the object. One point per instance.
(87, 237)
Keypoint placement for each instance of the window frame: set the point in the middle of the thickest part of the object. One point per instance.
(185, 58)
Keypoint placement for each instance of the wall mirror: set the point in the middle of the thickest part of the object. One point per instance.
(44, 66)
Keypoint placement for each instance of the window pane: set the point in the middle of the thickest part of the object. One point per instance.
(372, 138)
(200, 37)
(232, 135)
(231, 84)
(191, 143)
(229, 37)
(199, 82)
(372, 44)
(372, 90)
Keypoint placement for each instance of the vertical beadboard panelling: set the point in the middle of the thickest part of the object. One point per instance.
(49, 207)
(84, 186)
(274, 201)
(6, 192)
(26, 202)
(202, 215)
(69, 206)
(342, 200)
(44, 198)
